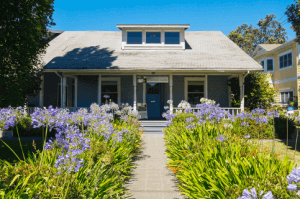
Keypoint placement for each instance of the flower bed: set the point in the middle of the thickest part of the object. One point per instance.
(212, 157)
(90, 156)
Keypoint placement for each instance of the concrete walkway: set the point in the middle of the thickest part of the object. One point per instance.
(151, 179)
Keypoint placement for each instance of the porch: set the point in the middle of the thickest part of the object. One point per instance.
(80, 90)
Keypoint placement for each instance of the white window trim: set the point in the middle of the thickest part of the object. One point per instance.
(118, 80)
(186, 79)
(266, 65)
(284, 53)
(285, 90)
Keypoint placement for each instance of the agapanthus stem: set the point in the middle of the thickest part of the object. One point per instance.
(20, 143)
(43, 150)
(11, 150)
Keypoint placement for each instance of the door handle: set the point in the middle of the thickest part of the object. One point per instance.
(152, 101)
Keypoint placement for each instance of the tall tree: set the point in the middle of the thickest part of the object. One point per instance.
(269, 31)
(23, 28)
(293, 16)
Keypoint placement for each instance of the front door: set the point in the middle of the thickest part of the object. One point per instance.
(153, 101)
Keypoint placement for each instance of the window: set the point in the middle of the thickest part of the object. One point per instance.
(109, 88)
(153, 37)
(172, 38)
(269, 64)
(134, 37)
(195, 91)
(286, 97)
(153, 88)
(262, 62)
(285, 60)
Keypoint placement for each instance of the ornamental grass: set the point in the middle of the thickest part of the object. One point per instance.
(212, 156)
(90, 157)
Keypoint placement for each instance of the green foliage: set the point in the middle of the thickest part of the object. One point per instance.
(104, 173)
(208, 168)
(269, 31)
(293, 17)
(23, 26)
(281, 126)
(258, 91)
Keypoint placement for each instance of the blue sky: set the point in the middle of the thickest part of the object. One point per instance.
(224, 16)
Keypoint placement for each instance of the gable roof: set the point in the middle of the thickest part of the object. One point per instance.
(205, 50)
(269, 47)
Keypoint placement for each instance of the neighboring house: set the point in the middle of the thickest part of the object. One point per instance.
(82, 66)
(281, 60)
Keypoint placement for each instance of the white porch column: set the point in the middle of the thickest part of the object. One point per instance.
(99, 90)
(171, 93)
(241, 78)
(42, 92)
(64, 91)
(144, 92)
(76, 88)
(134, 91)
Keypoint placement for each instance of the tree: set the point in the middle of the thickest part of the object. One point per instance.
(269, 31)
(23, 28)
(294, 18)
(258, 91)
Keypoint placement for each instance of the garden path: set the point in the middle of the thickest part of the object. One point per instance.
(151, 178)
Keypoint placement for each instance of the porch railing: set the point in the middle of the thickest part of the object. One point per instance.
(231, 110)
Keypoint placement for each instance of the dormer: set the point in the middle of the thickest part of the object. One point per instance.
(153, 36)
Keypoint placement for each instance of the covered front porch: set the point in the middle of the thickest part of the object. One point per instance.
(147, 92)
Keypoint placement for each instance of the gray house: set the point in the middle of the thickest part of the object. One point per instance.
(141, 64)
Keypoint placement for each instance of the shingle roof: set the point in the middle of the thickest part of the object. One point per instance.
(269, 47)
(206, 50)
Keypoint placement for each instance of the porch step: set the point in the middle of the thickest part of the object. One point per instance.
(152, 129)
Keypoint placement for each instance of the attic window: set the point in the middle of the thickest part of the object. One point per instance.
(153, 37)
(134, 37)
(172, 38)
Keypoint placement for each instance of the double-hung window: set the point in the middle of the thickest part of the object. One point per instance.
(286, 97)
(269, 64)
(286, 60)
(109, 88)
(195, 91)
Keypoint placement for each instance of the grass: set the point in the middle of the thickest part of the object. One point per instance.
(8, 155)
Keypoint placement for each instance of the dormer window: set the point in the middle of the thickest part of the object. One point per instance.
(172, 38)
(134, 38)
(153, 36)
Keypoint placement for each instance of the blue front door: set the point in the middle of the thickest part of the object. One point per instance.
(153, 100)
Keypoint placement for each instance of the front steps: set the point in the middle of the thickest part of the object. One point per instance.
(152, 126)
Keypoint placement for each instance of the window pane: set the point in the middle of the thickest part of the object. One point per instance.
(109, 86)
(153, 37)
(282, 97)
(286, 97)
(281, 62)
(291, 96)
(172, 38)
(194, 98)
(269, 64)
(195, 86)
(263, 63)
(112, 96)
(153, 88)
(289, 59)
(134, 37)
(285, 60)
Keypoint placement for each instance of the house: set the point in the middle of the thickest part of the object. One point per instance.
(141, 63)
(281, 61)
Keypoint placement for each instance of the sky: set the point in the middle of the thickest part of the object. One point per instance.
(224, 16)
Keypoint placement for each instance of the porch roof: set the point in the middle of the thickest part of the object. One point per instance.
(205, 50)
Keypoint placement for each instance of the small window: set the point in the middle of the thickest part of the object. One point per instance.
(153, 37)
(269, 64)
(286, 60)
(286, 97)
(109, 88)
(172, 38)
(262, 63)
(134, 37)
(195, 92)
(153, 88)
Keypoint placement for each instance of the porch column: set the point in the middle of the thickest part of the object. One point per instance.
(64, 91)
(42, 92)
(76, 86)
(171, 93)
(134, 91)
(144, 92)
(99, 90)
(241, 78)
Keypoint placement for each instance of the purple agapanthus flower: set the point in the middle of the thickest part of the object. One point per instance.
(221, 138)
(247, 136)
(292, 187)
(106, 96)
(252, 194)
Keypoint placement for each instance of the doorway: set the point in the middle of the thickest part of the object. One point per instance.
(154, 102)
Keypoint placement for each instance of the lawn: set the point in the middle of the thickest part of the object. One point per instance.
(8, 155)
